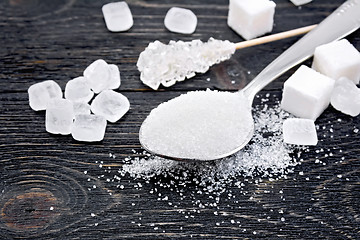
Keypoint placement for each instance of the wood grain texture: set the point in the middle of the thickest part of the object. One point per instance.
(52, 187)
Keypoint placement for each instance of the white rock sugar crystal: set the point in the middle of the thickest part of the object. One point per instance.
(166, 64)
(40, 93)
(346, 97)
(111, 105)
(307, 93)
(251, 18)
(88, 128)
(198, 125)
(300, 131)
(118, 17)
(338, 59)
(59, 116)
(78, 90)
(300, 2)
(180, 20)
(102, 76)
(81, 108)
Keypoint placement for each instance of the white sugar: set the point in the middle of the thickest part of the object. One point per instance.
(40, 93)
(346, 97)
(59, 116)
(180, 20)
(88, 128)
(300, 2)
(81, 108)
(300, 131)
(78, 90)
(111, 105)
(118, 17)
(166, 64)
(198, 125)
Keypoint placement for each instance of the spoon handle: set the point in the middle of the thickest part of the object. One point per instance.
(343, 21)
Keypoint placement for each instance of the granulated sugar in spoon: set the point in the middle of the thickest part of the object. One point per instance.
(209, 125)
(168, 63)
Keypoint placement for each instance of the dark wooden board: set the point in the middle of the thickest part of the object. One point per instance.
(56, 40)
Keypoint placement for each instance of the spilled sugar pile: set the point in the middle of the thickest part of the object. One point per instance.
(266, 156)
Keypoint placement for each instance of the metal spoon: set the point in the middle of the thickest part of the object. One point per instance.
(343, 21)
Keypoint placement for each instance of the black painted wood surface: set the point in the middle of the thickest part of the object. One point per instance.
(44, 191)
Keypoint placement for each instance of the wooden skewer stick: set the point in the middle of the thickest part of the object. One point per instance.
(274, 37)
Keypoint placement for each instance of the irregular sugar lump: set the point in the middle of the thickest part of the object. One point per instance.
(102, 76)
(307, 93)
(40, 93)
(78, 90)
(180, 20)
(59, 116)
(338, 59)
(81, 108)
(251, 18)
(346, 97)
(300, 2)
(111, 105)
(88, 128)
(118, 17)
(299, 131)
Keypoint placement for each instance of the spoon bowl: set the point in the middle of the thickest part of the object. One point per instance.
(210, 125)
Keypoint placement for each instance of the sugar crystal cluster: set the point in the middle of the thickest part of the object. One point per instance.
(72, 115)
(166, 64)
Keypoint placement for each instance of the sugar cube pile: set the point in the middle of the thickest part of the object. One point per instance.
(72, 115)
(299, 131)
(118, 17)
(180, 20)
(251, 18)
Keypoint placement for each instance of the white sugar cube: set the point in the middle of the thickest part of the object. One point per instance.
(307, 93)
(59, 116)
(81, 108)
(102, 76)
(251, 18)
(40, 93)
(88, 128)
(180, 20)
(338, 59)
(299, 131)
(111, 105)
(118, 17)
(300, 2)
(346, 97)
(78, 90)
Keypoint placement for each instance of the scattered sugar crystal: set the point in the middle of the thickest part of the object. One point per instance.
(198, 125)
(102, 76)
(81, 108)
(59, 116)
(88, 128)
(40, 93)
(118, 17)
(166, 64)
(78, 90)
(346, 97)
(300, 131)
(111, 105)
(180, 20)
(300, 2)
(307, 93)
(251, 18)
(338, 59)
